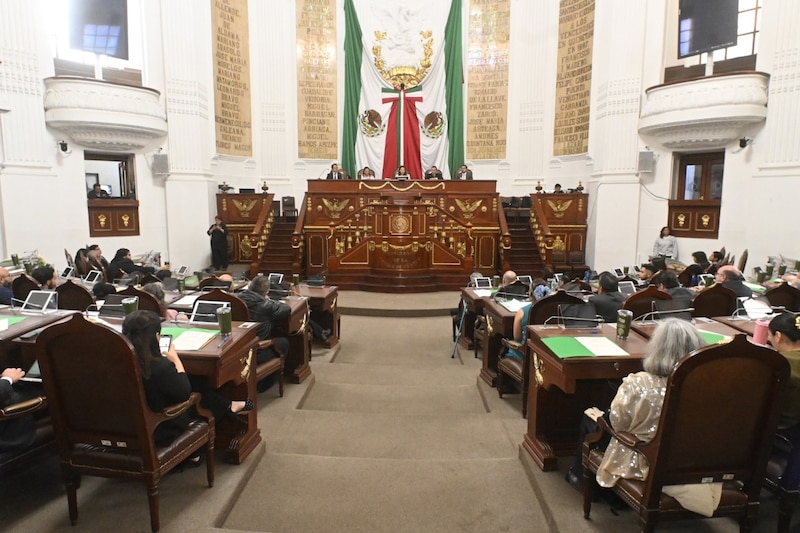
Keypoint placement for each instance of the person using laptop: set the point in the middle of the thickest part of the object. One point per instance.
(46, 276)
(266, 311)
(512, 288)
(6, 294)
(699, 266)
(19, 432)
(608, 299)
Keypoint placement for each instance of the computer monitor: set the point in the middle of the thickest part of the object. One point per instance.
(619, 272)
(206, 311)
(483, 283)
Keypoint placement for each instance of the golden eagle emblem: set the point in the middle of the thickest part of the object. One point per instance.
(468, 208)
(335, 207)
(245, 206)
(559, 207)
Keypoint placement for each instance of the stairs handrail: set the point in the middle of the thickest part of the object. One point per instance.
(260, 235)
(541, 232)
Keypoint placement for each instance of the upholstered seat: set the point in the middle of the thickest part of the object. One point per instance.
(147, 302)
(784, 294)
(74, 296)
(714, 301)
(43, 443)
(641, 303)
(22, 285)
(781, 483)
(289, 208)
(699, 435)
(102, 423)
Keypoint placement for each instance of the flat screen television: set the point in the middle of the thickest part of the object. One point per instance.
(706, 25)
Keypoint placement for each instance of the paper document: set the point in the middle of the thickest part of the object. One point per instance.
(193, 339)
(601, 346)
(482, 293)
(514, 305)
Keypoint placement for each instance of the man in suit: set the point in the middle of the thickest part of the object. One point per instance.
(463, 173)
(667, 281)
(608, 299)
(731, 278)
(336, 173)
(21, 431)
(434, 174)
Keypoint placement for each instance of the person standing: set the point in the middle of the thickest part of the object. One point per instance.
(666, 245)
(219, 244)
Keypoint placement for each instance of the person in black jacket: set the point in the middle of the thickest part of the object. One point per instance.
(608, 299)
(123, 264)
(266, 312)
(19, 432)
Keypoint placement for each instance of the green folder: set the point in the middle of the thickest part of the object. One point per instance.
(712, 338)
(13, 319)
(565, 347)
(177, 332)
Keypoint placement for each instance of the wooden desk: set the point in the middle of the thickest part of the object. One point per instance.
(742, 324)
(561, 389)
(323, 303)
(703, 324)
(229, 367)
(499, 324)
(296, 368)
(475, 305)
(12, 354)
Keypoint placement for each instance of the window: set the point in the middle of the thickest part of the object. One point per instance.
(749, 24)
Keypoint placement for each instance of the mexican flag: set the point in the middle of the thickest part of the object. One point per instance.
(403, 87)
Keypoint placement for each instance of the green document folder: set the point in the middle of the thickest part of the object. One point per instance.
(177, 332)
(565, 347)
(712, 338)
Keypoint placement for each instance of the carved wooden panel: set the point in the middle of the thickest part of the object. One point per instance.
(694, 218)
(110, 218)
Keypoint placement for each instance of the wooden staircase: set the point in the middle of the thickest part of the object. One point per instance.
(524, 255)
(278, 253)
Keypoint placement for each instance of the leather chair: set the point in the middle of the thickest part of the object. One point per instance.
(560, 263)
(714, 301)
(784, 294)
(513, 291)
(700, 434)
(22, 285)
(149, 278)
(74, 296)
(519, 370)
(779, 482)
(742, 261)
(685, 277)
(147, 302)
(289, 209)
(641, 303)
(102, 423)
(240, 313)
(214, 281)
(44, 442)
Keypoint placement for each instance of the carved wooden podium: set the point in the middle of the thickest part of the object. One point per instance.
(398, 236)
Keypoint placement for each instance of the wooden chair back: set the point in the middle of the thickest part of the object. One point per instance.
(147, 302)
(742, 261)
(549, 306)
(641, 303)
(513, 291)
(784, 294)
(289, 208)
(214, 281)
(710, 429)
(74, 296)
(685, 277)
(100, 415)
(22, 285)
(239, 310)
(149, 278)
(714, 301)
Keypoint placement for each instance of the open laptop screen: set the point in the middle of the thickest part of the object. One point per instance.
(112, 305)
(40, 301)
(627, 288)
(483, 283)
(275, 279)
(206, 311)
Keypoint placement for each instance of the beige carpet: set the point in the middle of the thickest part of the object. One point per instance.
(389, 434)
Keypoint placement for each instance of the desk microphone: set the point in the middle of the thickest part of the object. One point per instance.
(645, 316)
(561, 318)
(15, 310)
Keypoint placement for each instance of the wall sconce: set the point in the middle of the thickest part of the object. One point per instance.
(63, 148)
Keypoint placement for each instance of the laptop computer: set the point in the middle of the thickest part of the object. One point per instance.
(483, 283)
(182, 272)
(41, 301)
(206, 311)
(67, 273)
(112, 306)
(93, 276)
(527, 280)
(275, 279)
(627, 288)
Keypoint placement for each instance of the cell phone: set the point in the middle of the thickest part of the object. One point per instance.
(165, 343)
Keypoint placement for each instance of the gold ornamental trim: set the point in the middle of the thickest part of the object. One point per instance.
(370, 187)
(538, 368)
(245, 206)
(409, 76)
(559, 207)
(489, 327)
(334, 206)
(468, 207)
(246, 362)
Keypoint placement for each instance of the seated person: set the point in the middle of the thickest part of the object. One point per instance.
(791, 279)
(699, 266)
(19, 432)
(557, 189)
(715, 262)
(336, 173)
(366, 173)
(102, 289)
(608, 299)
(266, 312)
(539, 289)
(636, 409)
(96, 192)
(401, 173)
(6, 293)
(646, 273)
(157, 290)
(82, 262)
(520, 331)
(96, 260)
(46, 277)
(464, 173)
(123, 264)
(784, 336)
(434, 174)
(668, 282)
(731, 278)
(511, 287)
(165, 381)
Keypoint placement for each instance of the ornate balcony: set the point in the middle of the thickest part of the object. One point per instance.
(104, 116)
(705, 113)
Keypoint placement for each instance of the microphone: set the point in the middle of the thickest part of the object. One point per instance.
(645, 316)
